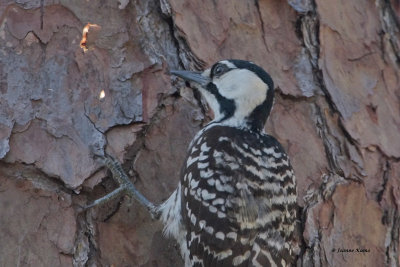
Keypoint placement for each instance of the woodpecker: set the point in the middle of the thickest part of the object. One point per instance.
(235, 204)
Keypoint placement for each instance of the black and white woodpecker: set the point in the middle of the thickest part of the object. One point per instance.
(235, 204)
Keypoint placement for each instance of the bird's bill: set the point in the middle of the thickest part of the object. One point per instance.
(191, 76)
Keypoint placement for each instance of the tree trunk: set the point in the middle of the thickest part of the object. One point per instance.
(335, 65)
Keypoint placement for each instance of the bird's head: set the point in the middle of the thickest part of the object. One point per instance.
(239, 92)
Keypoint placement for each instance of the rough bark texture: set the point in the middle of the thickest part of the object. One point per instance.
(337, 113)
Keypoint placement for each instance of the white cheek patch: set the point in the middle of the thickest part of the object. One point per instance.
(242, 85)
(245, 88)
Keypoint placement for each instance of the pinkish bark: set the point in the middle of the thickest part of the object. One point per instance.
(336, 68)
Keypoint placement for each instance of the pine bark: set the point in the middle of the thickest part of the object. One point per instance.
(335, 65)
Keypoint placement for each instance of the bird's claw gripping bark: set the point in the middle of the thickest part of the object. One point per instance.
(125, 187)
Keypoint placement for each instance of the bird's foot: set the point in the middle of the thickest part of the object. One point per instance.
(125, 187)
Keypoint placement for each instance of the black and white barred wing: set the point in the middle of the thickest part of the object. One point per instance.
(236, 209)
(276, 241)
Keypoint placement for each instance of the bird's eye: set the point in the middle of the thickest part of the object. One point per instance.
(219, 70)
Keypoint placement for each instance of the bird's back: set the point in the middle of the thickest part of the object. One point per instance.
(238, 201)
